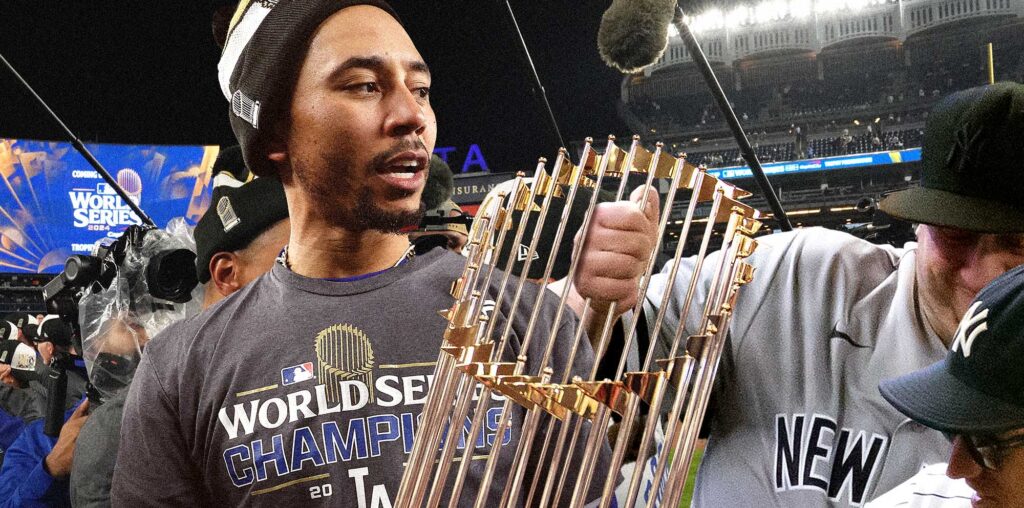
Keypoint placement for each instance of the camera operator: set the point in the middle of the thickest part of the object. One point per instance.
(237, 239)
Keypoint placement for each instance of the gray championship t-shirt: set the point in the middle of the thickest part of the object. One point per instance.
(302, 392)
(797, 419)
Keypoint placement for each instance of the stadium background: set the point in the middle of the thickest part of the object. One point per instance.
(833, 94)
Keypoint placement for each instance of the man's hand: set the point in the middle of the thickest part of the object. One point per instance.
(7, 378)
(616, 251)
(58, 462)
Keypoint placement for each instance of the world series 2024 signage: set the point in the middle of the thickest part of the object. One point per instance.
(54, 204)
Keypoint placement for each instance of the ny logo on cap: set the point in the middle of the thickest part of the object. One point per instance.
(970, 327)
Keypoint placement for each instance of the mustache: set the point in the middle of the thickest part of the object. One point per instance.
(401, 146)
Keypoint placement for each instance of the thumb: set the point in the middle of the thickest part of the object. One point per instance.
(81, 410)
(650, 199)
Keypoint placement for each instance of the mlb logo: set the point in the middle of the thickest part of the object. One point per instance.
(292, 375)
(104, 188)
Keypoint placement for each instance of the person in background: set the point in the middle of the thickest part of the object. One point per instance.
(828, 316)
(976, 397)
(237, 240)
(36, 466)
(242, 232)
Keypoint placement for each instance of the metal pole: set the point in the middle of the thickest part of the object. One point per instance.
(77, 143)
(730, 117)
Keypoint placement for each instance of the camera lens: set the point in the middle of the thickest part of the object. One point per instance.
(171, 275)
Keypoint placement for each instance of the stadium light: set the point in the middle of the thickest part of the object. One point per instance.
(770, 10)
(800, 9)
(712, 19)
(827, 6)
(739, 16)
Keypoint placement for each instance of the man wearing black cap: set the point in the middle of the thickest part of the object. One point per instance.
(796, 419)
(237, 240)
(242, 232)
(305, 385)
(976, 396)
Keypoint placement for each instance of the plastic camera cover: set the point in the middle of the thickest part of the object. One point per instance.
(118, 321)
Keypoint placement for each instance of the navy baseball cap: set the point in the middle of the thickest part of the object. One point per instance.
(979, 387)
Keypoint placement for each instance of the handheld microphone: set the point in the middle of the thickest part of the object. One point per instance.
(634, 33)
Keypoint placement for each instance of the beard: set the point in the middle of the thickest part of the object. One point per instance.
(336, 196)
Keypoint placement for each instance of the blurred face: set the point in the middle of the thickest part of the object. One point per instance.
(953, 265)
(122, 336)
(1001, 487)
(361, 127)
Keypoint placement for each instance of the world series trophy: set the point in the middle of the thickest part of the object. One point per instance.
(474, 364)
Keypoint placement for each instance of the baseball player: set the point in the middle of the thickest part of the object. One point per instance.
(796, 419)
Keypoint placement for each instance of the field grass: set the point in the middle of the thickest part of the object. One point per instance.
(698, 454)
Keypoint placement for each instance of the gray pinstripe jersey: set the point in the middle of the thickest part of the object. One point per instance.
(798, 420)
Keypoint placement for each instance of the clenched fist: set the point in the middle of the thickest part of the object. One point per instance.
(616, 251)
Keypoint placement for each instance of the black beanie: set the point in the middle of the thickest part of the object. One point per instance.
(239, 212)
(266, 45)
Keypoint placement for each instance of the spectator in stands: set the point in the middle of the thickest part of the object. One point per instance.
(976, 396)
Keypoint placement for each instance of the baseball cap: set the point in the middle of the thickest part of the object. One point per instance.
(266, 45)
(239, 212)
(8, 331)
(21, 358)
(972, 177)
(979, 386)
(545, 244)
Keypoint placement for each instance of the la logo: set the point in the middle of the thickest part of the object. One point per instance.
(970, 327)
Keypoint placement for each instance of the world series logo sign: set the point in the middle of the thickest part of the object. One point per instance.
(54, 204)
(101, 208)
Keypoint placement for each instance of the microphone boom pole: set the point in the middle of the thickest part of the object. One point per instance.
(536, 77)
(77, 143)
(697, 53)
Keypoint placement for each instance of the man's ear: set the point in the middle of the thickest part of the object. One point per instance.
(45, 351)
(277, 151)
(224, 272)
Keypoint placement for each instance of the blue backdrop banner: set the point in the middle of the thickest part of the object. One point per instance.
(54, 204)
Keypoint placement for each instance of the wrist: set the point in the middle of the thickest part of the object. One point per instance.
(52, 467)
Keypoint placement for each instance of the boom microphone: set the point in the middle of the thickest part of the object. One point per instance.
(634, 33)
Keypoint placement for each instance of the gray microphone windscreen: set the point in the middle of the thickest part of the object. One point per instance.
(634, 33)
(440, 184)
